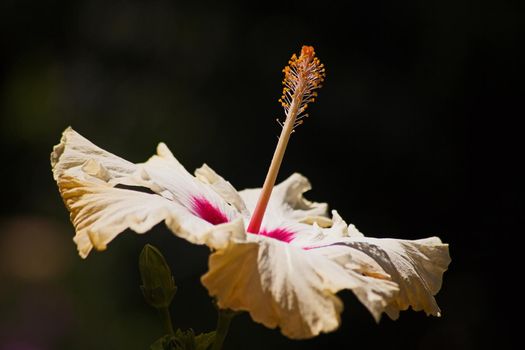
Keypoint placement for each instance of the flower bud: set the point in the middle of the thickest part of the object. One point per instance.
(158, 285)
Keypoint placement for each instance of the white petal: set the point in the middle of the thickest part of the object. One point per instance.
(287, 287)
(340, 228)
(162, 173)
(74, 150)
(417, 266)
(86, 176)
(287, 202)
(224, 188)
(310, 236)
(100, 212)
(352, 259)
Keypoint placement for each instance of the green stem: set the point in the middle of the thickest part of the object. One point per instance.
(166, 319)
(223, 325)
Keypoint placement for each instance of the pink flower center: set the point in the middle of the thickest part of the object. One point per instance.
(280, 234)
(210, 213)
(207, 211)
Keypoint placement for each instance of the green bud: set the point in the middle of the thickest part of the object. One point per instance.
(158, 285)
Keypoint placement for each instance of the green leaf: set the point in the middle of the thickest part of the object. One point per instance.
(164, 343)
(204, 341)
(184, 340)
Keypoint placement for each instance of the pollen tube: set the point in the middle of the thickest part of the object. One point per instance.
(302, 76)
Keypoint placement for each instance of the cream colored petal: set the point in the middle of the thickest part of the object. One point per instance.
(315, 235)
(284, 286)
(214, 236)
(340, 228)
(321, 221)
(74, 150)
(162, 173)
(353, 232)
(287, 202)
(352, 259)
(417, 266)
(330, 243)
(100, 212)
(224, 188)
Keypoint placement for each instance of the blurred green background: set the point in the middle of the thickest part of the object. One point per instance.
(411, 136)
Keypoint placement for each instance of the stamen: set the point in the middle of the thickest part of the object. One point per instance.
(302, 76)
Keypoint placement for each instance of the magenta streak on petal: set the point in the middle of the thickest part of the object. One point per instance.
(281, 234)
(314, 247)
(323, 245)
(207, 211)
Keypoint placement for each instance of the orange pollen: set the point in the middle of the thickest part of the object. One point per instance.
(302, 76)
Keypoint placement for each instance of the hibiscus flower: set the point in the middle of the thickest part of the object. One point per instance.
(275, 254)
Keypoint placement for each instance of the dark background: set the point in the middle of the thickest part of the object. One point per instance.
(412, 136)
